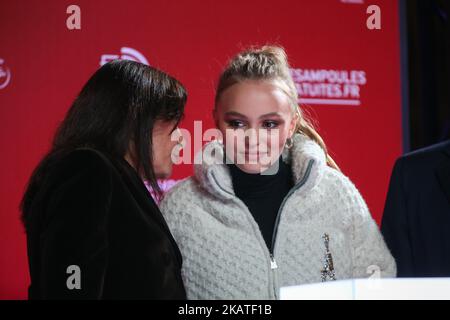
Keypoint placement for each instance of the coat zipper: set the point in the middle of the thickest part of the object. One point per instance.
(295, 188)
(273, 262)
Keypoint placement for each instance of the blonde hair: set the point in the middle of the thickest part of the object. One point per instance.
(270, 63)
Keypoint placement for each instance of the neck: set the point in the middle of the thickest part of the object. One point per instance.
(257, 184)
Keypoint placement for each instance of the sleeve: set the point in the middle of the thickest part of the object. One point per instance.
(74, 241)
(394, 225)
(371, 257)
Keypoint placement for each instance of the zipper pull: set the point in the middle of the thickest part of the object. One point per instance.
(273, 263)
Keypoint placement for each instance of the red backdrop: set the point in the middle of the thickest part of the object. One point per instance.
(44, 64)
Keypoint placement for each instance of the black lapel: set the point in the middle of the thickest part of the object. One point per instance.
(142, 195)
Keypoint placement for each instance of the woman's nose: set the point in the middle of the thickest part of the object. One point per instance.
(251, 137)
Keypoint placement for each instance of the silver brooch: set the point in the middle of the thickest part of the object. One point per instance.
(327, 272)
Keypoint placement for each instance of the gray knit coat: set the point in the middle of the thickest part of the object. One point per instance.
(224, 253)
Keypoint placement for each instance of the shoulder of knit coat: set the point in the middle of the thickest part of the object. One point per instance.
(329, 198)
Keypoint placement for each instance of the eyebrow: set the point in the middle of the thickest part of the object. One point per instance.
(234, 113)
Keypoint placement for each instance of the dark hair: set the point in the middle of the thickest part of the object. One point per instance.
(119, 104)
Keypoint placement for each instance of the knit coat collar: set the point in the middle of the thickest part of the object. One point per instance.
(213, 174)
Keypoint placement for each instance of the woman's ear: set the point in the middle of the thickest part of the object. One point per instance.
(293, 124)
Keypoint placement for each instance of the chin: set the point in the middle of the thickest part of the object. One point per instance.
(250, 168)
(163, 173)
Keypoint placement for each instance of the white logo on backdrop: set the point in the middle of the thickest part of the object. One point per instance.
(5, 75)
(125, 54)
(329, 87)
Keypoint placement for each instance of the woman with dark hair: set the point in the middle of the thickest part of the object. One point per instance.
(93, 230)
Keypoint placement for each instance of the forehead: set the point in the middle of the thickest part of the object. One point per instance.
(254, 97)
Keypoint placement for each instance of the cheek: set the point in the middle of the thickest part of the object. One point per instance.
(277, 138)
(162, 146)
(222, 126)
(284, 134)
(170, 145)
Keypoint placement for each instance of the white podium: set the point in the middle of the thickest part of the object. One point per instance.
(371, 289)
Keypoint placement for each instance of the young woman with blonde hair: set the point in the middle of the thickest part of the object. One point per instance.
(246, 228)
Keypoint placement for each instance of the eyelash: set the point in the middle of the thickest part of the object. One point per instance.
(237, 124)
(273, 123)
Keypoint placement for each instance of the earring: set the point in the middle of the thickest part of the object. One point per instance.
(289, 143)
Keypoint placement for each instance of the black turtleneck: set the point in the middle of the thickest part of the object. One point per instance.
(263, 194)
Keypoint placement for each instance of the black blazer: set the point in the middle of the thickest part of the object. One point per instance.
(416, 219)
(95, 212)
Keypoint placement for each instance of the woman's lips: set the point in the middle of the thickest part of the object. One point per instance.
(253, 154)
